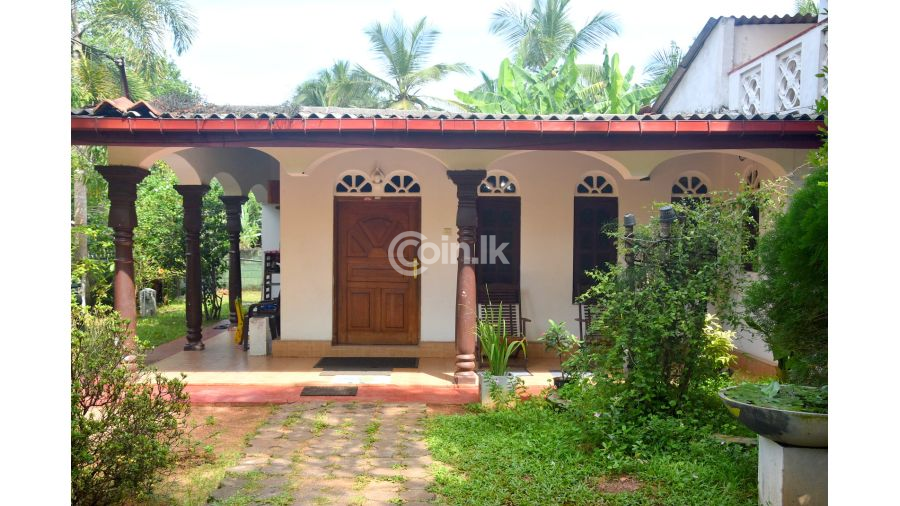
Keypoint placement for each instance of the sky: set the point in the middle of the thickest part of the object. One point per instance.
(257, 52)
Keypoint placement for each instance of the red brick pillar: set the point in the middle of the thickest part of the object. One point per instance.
(123, 182)
(193, 220)
(467, 182)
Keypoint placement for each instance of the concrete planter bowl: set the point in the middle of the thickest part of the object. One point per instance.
(793, 428)
(506, 383)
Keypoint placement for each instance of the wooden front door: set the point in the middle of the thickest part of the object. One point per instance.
(375, 303)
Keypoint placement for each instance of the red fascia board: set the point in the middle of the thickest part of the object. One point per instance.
(423, 125)
(625, 127)
(474, 127)
(458, 125)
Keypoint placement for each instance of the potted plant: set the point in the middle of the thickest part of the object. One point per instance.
(558, 339)
(497, 347)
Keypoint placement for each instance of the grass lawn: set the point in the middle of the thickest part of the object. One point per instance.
(169, 323)
(534, 455)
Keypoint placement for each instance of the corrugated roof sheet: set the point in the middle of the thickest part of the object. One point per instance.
(143, 110)
(786, 19)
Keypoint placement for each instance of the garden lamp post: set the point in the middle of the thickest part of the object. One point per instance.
(666, 217)
(630, 222)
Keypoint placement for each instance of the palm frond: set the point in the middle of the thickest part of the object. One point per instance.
(594, 34)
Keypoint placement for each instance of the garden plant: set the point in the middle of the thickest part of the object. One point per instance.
(127, 420)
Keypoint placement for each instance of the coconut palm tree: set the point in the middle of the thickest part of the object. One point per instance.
(545, 34)
(342, 85)
(137, 30)
(662, 64)
(403, 52)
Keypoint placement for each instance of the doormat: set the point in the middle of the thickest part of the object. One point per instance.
(317, 391)
(367, 363)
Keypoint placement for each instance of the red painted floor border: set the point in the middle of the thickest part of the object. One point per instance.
(280, 394)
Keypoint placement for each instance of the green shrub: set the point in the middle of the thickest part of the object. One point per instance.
(664, 345)
(789, 304)
(127, 420)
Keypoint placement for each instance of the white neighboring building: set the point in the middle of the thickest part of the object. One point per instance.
(751, 66)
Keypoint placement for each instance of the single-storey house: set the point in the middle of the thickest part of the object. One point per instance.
(339, 185)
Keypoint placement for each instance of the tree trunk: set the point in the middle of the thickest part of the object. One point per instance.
(79, 219)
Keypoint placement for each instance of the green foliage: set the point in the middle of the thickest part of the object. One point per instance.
(545, 34)
(339, 86)
(558, 339)
(789, 303)
(663, 64)
(495, 344)
(533, 455)
(566, 88)
(665, 350)
(808, 7)
(127, 419)
(781, 396)
(251, 223)
(159, 236)
(213, 250)
(403, 51)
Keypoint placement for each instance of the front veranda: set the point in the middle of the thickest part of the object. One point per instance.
(338, 187)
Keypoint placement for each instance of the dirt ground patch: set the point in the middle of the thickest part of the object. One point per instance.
(225, 427)
(220, 434)
(445, 409)
(618, 484)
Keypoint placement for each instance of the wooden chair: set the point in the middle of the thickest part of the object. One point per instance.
(504, 306)
(588, 336)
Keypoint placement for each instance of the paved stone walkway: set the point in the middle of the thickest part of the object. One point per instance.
(324, 453)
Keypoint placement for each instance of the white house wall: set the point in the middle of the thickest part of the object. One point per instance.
(547, 182)
(704, 87)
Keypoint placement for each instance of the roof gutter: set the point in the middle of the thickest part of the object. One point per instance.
(594, 135)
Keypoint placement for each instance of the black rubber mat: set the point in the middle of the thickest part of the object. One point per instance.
(367, 363)
(318, 391)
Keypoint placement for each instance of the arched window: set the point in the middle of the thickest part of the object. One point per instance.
(595, 184)
(354, 182)
(498, 183)
(357, 181)
(689, 185)
(401, 183)
(595, 215)
(751, 179)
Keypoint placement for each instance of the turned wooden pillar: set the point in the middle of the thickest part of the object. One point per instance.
(193, 221)
(467, 182)
(123, 182)
(233, 226)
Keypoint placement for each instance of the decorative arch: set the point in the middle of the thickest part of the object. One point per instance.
(775, 165)
(319, 161)
(260, 192)
(230, 186)
(596, 183)
(690, 184)
(498, 183)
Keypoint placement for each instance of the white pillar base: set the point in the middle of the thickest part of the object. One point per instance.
(790, 475)
(260, 337)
